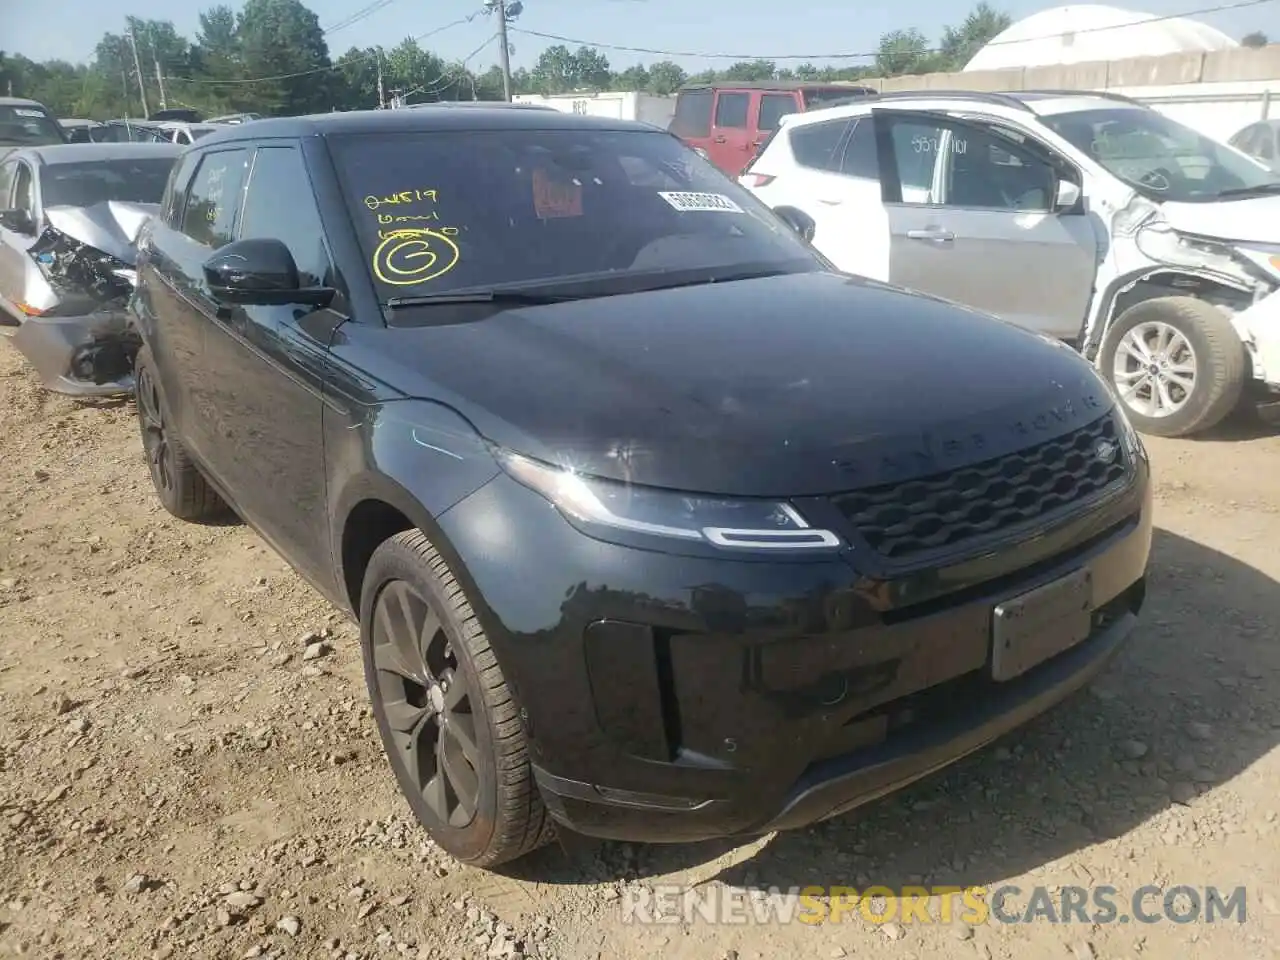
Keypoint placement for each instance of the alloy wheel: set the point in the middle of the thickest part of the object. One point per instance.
(427, 703)
(155, 441)
(1155, 369)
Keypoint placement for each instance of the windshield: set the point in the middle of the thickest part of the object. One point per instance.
(28, 126)
(437, 212)
(84, 184)
(1159, 157)
(127, 133)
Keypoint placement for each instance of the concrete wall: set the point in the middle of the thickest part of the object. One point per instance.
(1216, 93)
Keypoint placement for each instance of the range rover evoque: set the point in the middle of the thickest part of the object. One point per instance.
(655, 526)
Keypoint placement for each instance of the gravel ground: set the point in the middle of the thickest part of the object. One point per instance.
(188, 765)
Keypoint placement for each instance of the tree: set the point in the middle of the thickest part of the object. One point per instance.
(665, 78)
(555, 71)
(960, 44)
(282, 38)
(591, 70)
(902, 51)
(1254, 40)
(749, 70)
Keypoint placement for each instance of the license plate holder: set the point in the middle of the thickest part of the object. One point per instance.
(1030, 628)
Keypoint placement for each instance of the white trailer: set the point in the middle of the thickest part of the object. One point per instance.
(621, 105)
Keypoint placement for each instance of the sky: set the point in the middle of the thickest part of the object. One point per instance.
(745, 29)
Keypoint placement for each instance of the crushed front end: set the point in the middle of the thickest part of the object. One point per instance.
(75, 328)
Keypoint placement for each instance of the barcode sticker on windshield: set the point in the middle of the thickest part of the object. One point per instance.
(27, 112)
(699, 202)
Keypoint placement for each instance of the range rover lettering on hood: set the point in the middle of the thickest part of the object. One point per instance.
(786, 386)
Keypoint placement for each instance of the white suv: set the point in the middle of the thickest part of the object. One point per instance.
(1087, 217)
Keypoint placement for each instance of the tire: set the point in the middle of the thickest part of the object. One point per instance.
(1216, 359)
(181, 487)
(507, 818)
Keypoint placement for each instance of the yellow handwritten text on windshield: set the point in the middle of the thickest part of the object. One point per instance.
(400, 197)
(414, 255)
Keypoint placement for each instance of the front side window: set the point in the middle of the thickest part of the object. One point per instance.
(915, 152)
(210, 214)
(24, 194)
(84, 184)
(28, 126)
(279, 203)
(441, 212)
(1161, 158)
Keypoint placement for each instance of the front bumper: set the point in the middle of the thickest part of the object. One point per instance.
(1259, 325)
(673, 699)
(80, 356)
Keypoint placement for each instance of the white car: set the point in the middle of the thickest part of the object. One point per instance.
(1090, 218)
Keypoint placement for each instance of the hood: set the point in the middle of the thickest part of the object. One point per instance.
(792, 385)
(1252, 220)
(111, 226)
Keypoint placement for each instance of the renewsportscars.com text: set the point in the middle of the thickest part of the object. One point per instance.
(1008, 904)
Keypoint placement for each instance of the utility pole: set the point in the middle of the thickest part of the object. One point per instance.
(504, 53)
(137, 65)
(382, 100)
(155, 56)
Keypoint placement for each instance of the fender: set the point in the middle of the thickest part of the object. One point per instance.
(1104, 308)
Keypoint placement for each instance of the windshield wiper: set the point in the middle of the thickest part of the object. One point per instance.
(1261, 188)
(518, 297)
(722, 278)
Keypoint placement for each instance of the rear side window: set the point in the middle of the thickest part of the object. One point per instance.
(209, 218)
(731, 110)
(279, 203)
(816, 97)
(1267, 144)
(860, 158)
(814, 145)
(775, 106)
(693, 114)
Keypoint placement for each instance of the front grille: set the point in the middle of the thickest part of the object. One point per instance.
(902, 520)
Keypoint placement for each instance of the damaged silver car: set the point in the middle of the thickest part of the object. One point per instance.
(70, 216)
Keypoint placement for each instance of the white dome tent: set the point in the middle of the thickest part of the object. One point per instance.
(1089, 32)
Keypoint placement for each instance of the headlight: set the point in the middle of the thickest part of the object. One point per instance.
(1266, 258)
(728, 524)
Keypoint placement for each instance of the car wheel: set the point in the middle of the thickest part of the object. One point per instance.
(181, 487)
(448, 722)
(1176, 364)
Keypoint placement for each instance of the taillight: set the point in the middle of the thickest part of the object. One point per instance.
(757, 179)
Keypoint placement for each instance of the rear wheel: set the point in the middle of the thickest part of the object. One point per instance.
(1176, 364)
(179, 484)
(444, 711)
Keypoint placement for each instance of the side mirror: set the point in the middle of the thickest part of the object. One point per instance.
(1068, 195)
(261, 272)
(799, 221)
(19, 221)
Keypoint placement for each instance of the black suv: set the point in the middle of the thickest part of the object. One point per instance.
(654, 526)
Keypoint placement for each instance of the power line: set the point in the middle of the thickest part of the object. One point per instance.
(694, 55)
(331, 67)
(445, 81)
(359, 15)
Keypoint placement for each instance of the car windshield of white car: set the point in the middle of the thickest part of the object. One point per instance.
(27, 127)
(442, 211)
(1161, 158)
(84, 184)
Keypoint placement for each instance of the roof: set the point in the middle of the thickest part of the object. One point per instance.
(429, 118)
(1087, 32)
(20, 102)
(60, 153)
(775, 85)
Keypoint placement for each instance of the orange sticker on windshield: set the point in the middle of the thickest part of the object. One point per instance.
(555, 198)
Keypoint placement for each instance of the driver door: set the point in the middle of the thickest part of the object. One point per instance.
(973, 217)
(17, 191)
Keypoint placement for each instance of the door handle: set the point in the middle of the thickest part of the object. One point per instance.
(936, 234)
(718, 140)
(830, 201)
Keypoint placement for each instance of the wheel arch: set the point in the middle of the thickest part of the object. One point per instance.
(1151, 283)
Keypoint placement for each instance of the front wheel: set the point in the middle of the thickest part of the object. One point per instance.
(447, 719)
(1176, 363)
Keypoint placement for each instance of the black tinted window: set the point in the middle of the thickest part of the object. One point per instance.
(731, 109)
(437, 212)
(775, 106)
(23, 126)
(209, 217)
(816, 97)
(814, 144)
(175, 196)
(860, 152)
(693, 114)
(84, 184)
(279, 203)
